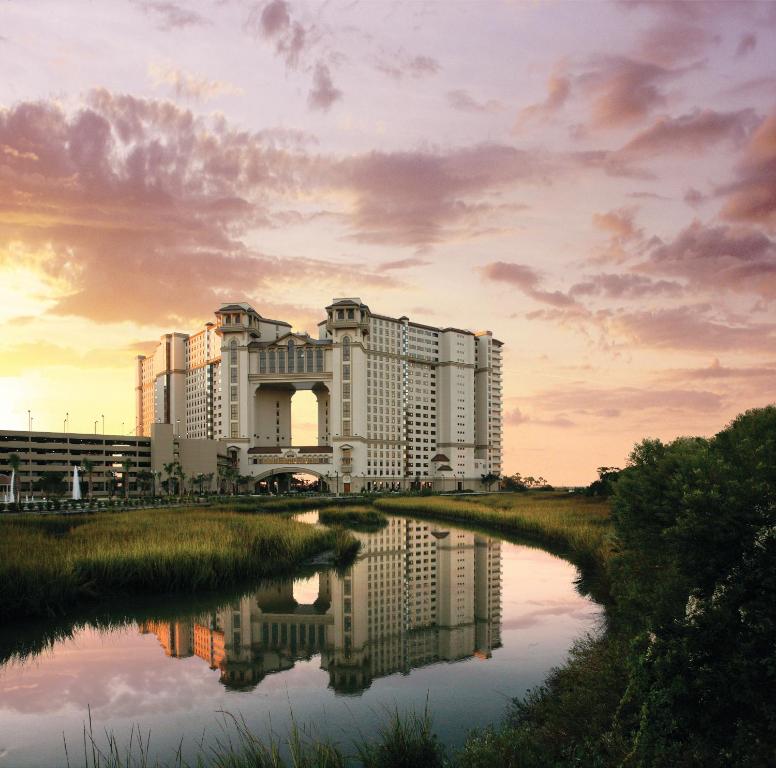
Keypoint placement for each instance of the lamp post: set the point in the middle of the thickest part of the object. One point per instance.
(67, 419)
(95, 426)
(102, 415)
(29, 451)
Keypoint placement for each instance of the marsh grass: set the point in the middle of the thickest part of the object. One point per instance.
(359, 517)
(405, 741)
(48, 564)
(288, 504)
(578, 525)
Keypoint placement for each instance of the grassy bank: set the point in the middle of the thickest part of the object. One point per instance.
(353, 517)
(48, 564)
(578, 525)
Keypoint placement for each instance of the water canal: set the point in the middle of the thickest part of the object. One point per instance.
(428, 612)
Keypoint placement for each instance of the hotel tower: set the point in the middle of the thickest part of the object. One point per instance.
(400, 404)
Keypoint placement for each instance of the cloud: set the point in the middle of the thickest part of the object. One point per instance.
(463, 101)
(693, 328)
(752, 197)
(399, 65)
(558, 90)
(272, 21)
(690, 133)
(323, 93)
(421, 198)
(515, 417)
(624, 286)
(189, 86)
(171, 16)
(694, 197)
(746, 44)
(718, 371)
(586, 400)
(129, 202)
(718, 258)
(526, 280)
(413, 261)
(671, 41)
(624, 90)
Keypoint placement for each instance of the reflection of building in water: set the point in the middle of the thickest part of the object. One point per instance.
(417, 594)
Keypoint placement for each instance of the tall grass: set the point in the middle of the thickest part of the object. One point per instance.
(354, 517)
(406, 741)
(47, 566)
(577, 524)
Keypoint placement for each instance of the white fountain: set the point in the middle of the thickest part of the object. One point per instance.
(11, 495)
(76, 485)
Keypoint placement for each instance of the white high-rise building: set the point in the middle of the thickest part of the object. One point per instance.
(399, 403)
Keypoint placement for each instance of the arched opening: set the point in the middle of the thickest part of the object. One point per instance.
(304, 418)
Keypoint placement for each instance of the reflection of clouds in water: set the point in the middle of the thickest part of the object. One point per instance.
(120, 679)
(578, 609)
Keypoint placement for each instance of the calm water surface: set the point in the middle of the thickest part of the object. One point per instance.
(427, 611)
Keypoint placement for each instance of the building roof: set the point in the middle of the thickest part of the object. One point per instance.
(445, 468)
(440, 457)
(276, 449)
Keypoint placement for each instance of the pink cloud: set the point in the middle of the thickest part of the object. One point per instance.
(558, 90)
(688, 133)
(172, 15)
(746, 44)
(323, 93)
(526, 280)
(752, 198)
(463, 101)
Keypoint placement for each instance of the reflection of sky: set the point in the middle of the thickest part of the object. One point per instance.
(126, 679)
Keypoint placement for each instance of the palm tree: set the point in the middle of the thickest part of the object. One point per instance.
(15, 461)
(168, 470)
(242, 480)
(145, 478)
(181, 477)
(88, 466)
(125, 466)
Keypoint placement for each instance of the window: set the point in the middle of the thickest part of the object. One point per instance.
(345, 349)
(291, 356)
(262, 362)
(309, 360)
(271, 361)
(233, 352)
(281, 361)
(318, 360)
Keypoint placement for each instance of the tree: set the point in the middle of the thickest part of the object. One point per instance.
(51, 483)
(514, 483)
(242, 480)
(88, 466)
(126, 465)
(209, 480)
(181, 475)
(489, 479)
(604, 486)
(169, 470)
(145, 479)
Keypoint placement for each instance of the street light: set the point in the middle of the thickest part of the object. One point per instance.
(103, 423)
(29, 451)
(67, 418)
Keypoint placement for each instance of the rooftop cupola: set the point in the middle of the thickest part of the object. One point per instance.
(347, 313)
(238, 318)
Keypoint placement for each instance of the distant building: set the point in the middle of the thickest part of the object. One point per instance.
(62, 451)
(399, 403)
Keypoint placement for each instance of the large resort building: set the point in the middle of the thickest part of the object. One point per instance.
(400, 404)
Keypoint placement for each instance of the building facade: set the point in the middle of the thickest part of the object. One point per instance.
(115, 460)
(400, 403)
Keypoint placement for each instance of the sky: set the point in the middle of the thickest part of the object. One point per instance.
(595, 182)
